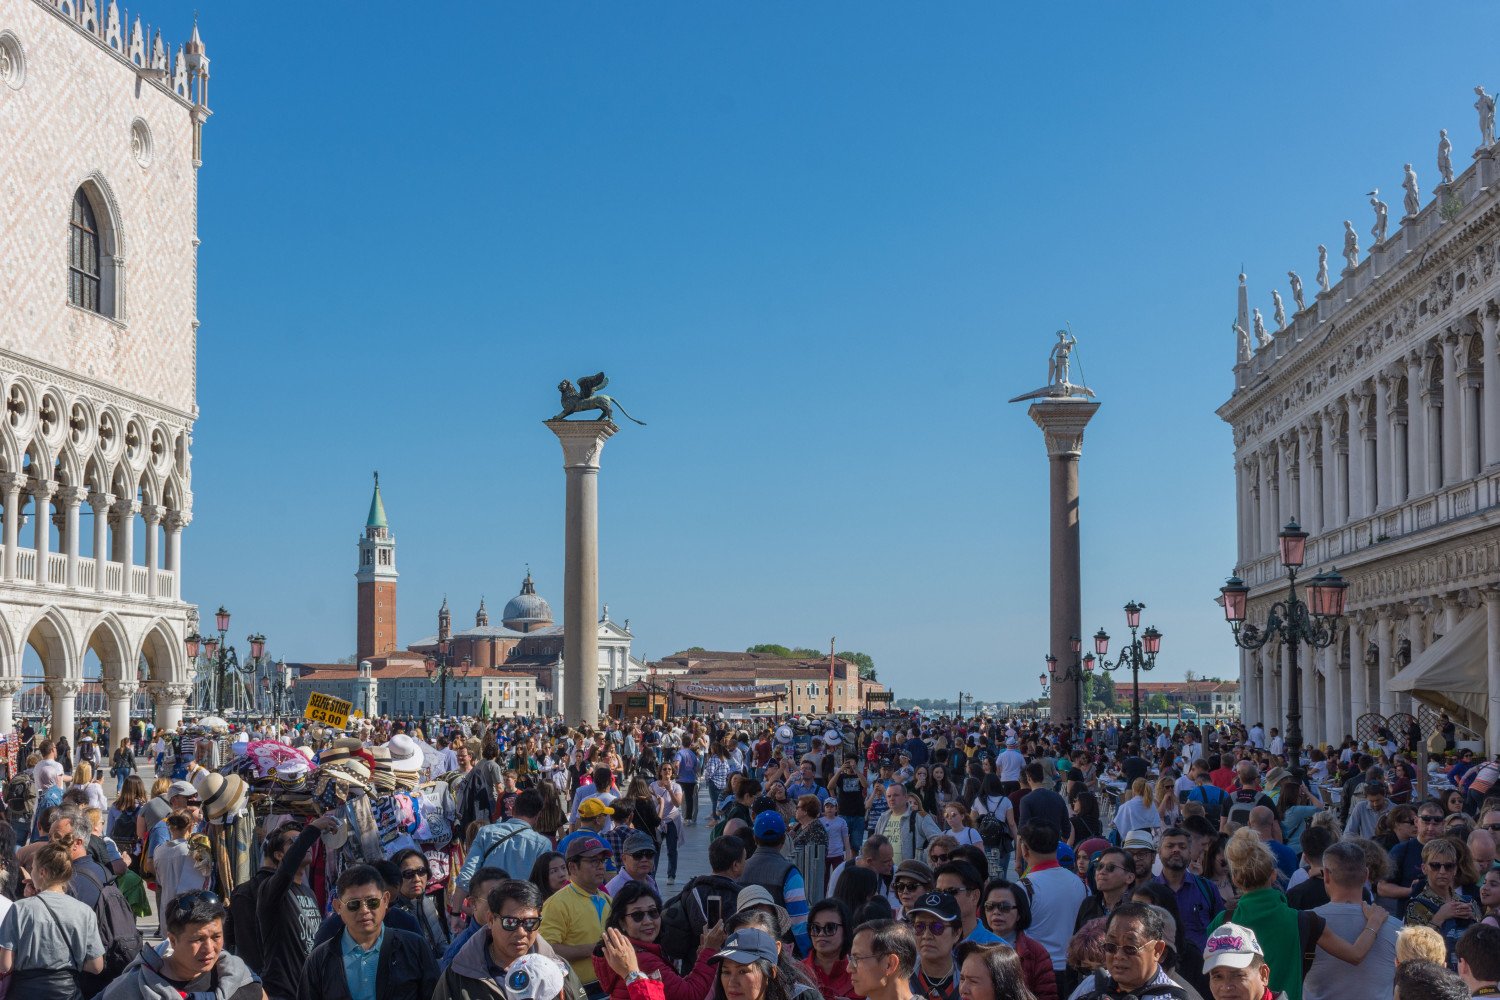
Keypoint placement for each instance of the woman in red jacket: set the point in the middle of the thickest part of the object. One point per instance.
(1007, 913)
(832, 930)
(635, 912)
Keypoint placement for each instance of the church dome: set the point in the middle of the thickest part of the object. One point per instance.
(527, 610)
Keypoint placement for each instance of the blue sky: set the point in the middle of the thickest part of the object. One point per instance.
(816, 247)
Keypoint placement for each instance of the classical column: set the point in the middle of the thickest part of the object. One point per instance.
(1329, 495)
(1356, 446)
(152, 514)
(1062, 420)
(100, 502)
(1286, 489)
(9, 688)
(125, 511)
(1242, 503)
(1416, 431)
(1309, 672)
(176, 521)
(582, 442)
(1383, 426)
(41, 524)
(1307, 472)
(1489, 328)
(72, 498)
(1471, 384)
(1492, 659)
(169, 700)
(64, 694)
(11, 484)
(1452, 405)
(1359, 641)
(1335, 691)
(119, 694)
(1386, 645)
(1268, 525)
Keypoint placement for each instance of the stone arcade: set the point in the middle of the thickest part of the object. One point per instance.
(98, 331)
(1373, 419)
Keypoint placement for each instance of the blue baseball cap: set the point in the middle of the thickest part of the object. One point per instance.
(770, 824)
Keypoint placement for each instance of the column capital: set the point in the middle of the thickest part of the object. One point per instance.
(582, 441)
(65, 687)
(126, 507)
(176, 520)
(42, 489)
(121, 688)
(72, 496)
(176, 692)
(101, 503)
(12, 482)
(10, 687)
(153, 513)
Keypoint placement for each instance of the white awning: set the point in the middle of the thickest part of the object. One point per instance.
(1452, 674)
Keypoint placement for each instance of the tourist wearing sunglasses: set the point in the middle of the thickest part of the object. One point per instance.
(368, 960)
(513, 911)
(1006, 911)
(412, 895)
(1441, 905)
(635, 911)
(831, 926)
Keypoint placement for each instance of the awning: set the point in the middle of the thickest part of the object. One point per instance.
(1452, 674)
(732, 694)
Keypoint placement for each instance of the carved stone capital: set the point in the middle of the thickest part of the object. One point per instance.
(42, 490)
(582, 441)
(126, 509)
(101, 503)
(153, 513)
(176, 520)
(121, 689)
(66, 687)
(1062, 422)
(72, 496)
(12, 483)
(10, 687)
(176, 692)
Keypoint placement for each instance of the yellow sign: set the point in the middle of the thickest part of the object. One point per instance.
(358, 713)
(328, 710)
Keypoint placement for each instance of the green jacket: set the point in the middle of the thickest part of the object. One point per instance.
(1267, 913)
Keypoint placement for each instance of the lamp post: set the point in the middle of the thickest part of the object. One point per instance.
(1081, 669)
(440, 668)
(223, 660)
(1046, 692)
(1293, 622)
(277, 683)
(1139, 654)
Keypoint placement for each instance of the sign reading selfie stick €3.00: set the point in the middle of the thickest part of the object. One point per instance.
(328, 710)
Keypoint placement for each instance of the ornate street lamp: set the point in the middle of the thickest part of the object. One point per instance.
(440, 668)
(1082, 666)
(1139, 654)
(223, 662)
(1293, 622)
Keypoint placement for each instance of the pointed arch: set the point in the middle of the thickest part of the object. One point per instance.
(50, 635)
(162, 652)
(96, 248)
(109, 641)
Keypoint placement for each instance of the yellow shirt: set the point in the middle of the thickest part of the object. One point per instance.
(573, 917)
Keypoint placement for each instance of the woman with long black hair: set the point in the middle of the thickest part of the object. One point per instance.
(635, 912)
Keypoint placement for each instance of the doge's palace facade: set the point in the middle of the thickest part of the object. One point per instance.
(98, 329)
(1372, 417)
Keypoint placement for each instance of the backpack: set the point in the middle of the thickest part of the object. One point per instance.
(123, 830)
(992, 830)
(20, 791)
(117, 930)
(1212, 809)
(683, 919)
(1239, 808)
(1309, 928)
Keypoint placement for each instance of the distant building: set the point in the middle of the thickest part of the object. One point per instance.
(1207, 698)
(804, 682)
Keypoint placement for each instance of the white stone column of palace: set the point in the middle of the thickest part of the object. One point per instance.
(1452, 464)
(64, 692)
(1414, 635)
(1489, 329)
(1268, 526)
(176, 521)
(119, 694)
(72, 498)
(1359, 624)
(1416, 427)
(9, 688)
(11, 483)
(1062, 420)
(1383, 450)
(152, 514)
(1383, 668)
(582, 441)
(1492, 659)
(169, 697)
(101, 503)
(124, 554)
(1307, 472)
(41, 523)
(1355, 442)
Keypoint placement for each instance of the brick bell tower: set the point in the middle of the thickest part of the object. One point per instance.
(377, 583)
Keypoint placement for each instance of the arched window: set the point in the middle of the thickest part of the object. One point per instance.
(85, 276)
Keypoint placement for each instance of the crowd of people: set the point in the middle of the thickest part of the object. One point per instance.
(873, 859)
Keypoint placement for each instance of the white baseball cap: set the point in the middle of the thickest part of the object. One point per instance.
(1232, 945)
(533, 977)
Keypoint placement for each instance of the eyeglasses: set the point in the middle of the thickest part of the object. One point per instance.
(906, 885)
(640, 916)
(933, 927)
(411, 873)
(1443, 866)
(939, 859)
(824, 930)
(527, 924)
(643, 855)
(955, 891)
(854, 959)
(1430, 818)
(999, 907)
(371, 903)
(1128, 950)
(1112, 868)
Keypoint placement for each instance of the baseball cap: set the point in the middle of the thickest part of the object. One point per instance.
(183, 788)
(746, 945)
(534, 977)
(1139, 840)
(770, 824)
(637, 842)
(594, 806)
(1232, 945)
(584, 846)
(940, 904)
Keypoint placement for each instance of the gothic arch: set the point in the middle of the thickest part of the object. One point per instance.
(52, 638)
(109, 641)
(10, 654)
(162, 652)
(106, 206)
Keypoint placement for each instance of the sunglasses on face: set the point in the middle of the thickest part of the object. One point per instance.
(940, 859)
(906, 885)
(824, 930)
(642, 915)
(644, 855)
(1128, 950)
(1443, 866)
(527, 924)
(188, 900)
(999, 907)
(1430, 818)
(1112, 868)
(411, 873)
(371, 903)
(1492, 827)
(932, 927)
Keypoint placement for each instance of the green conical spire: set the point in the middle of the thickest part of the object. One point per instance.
(377, 508)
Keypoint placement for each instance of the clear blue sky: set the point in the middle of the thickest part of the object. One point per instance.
(816, 247)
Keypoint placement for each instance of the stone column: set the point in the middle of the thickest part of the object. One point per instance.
(1452, 405)
(1286, 489)
(1334, 676)
(1307, 471)
(1416, 430)
(1359, 640)
(169, 700)
(64, 694)
(1356, 445)
(1387, 655)
(101, 503)
(582, 442)
(125, 511)
(1489, 327)
(1062, 420)
(152, 514)
(176, 521)
(9, 688)
(119, 694)
(1471, 383)
(11, 484)
(1311, 660)
(1383, 449)
(1492, 650)
(1330, 491)
(41, 523)
(1268, 525)
(72, 498)
(1243, 511)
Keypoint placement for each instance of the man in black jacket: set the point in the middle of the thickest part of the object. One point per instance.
(287, 910)
(375, 960)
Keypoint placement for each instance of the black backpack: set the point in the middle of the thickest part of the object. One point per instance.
(20, 793)
(123, 831)
(683, 920)
(117, 932)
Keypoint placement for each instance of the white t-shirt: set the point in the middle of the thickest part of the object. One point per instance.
(46, 774)
(1056, 895)
(967, 835)
(998, 806)
(1010, 762)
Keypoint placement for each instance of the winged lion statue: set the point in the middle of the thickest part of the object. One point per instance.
(587, 396)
